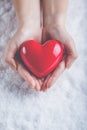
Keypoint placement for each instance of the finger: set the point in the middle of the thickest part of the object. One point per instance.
(71, 53)
(26, 76)
(31, 79)
(37, 87)
(10, 61)
(9, 55)
(38, 83)
(51, 78)
(54, 76)
(69, 44)
(44, 87)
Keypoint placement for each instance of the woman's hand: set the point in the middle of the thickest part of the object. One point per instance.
(28, 17)
(59, 33)
(23, 34)
(54, 17)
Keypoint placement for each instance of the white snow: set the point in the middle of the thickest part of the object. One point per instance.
(64, 106)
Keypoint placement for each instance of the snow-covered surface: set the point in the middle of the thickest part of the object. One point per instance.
(64, 106)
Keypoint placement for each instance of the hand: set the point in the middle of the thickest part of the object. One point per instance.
(59, 33)
(23, 34)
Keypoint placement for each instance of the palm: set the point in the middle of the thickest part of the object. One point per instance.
(12, 48)
(70, 54)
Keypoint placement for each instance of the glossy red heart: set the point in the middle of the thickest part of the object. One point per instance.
(41, 59)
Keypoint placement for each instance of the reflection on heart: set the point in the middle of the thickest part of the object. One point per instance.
(41, 59)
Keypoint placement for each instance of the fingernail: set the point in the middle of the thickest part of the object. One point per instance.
(33, 84)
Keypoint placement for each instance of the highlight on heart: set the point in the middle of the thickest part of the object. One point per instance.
(40, 21)
(41, 59)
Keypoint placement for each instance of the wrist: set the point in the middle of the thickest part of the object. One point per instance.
(26, 32)
(27, 27)
(25, 22)
(55, 20)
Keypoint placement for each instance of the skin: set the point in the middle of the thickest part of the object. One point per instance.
(55, 12)
(28, 17)
(34, 25)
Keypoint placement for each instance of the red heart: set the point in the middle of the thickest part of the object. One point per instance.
(41, 59)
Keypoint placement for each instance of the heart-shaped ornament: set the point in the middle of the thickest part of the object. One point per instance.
(41, 59)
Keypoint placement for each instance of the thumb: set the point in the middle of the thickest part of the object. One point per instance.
(71, 53)
(9, 55)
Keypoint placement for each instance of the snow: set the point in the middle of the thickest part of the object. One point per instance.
(63, 107)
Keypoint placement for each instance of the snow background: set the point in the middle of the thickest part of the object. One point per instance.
(63, 107)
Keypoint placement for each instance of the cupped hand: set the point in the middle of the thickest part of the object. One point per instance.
(23, 34)
(70, 53)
